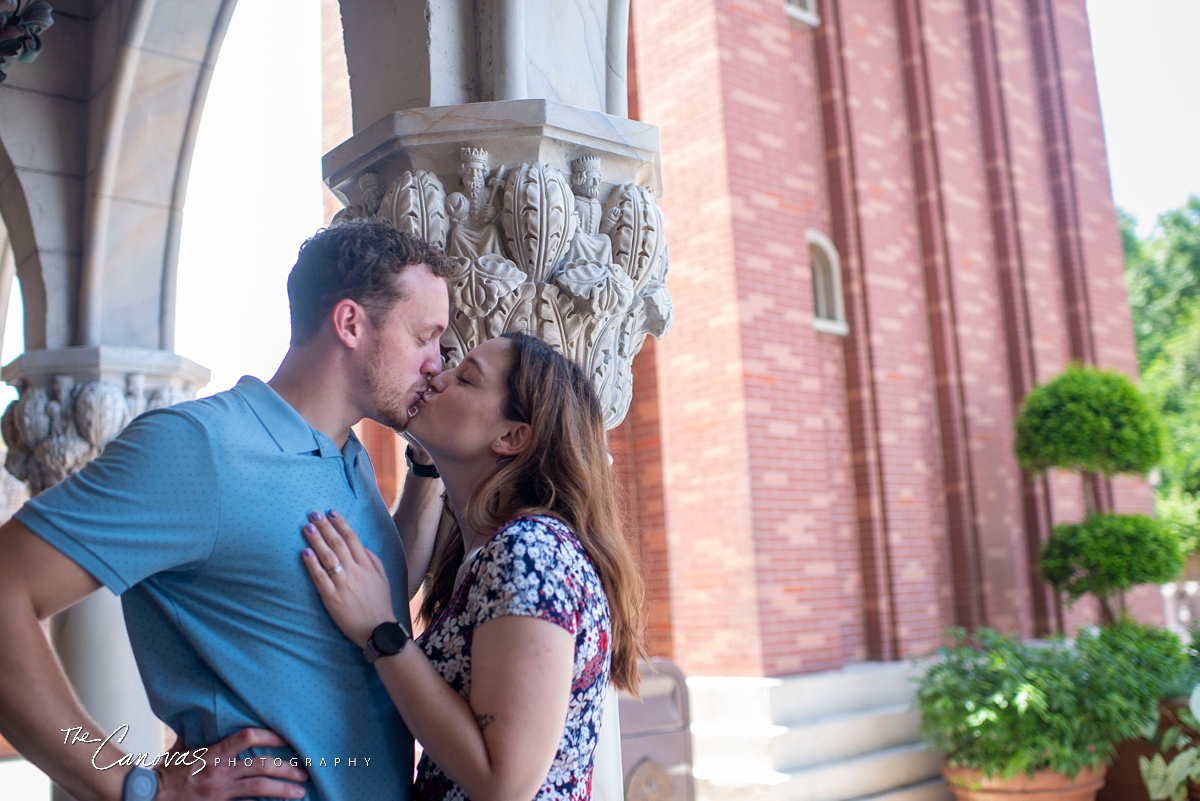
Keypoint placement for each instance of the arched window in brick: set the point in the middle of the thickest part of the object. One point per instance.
(829, 311)
(803, 10)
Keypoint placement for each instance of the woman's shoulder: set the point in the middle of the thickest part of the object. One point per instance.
(536, 528)
(542, 541)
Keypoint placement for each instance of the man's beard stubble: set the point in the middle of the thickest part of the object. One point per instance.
(390, 401)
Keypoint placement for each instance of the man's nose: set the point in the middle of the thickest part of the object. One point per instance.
(432, 365)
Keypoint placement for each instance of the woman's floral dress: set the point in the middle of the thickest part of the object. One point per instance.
(532, 566)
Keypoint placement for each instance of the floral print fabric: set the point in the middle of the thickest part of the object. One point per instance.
(536, 567)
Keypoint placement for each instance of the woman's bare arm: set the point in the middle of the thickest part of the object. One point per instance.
(501, 743)
(417, 518)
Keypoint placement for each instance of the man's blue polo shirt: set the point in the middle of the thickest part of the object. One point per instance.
(193, 516)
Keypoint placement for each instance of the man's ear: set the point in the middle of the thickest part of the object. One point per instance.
(349, 320)
(515, 439)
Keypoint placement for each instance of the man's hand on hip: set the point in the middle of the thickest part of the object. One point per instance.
(226, 777)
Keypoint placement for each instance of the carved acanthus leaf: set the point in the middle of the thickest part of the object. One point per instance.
(539, 218)
(99, 412)
(635, 224)
(416, 203)
(490, 278)
(525, 263)
(32, 421)
(52, 435)
(599, 290)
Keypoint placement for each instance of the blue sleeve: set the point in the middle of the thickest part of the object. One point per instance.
(148, 504)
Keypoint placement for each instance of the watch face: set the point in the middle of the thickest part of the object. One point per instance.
(389, 638)
(141, 785)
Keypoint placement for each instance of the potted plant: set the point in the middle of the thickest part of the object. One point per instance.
(1015, 718)
(1177, 778)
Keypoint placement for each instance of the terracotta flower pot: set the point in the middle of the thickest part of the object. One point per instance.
(1191, 568)
(1124, 780)
(968, 784)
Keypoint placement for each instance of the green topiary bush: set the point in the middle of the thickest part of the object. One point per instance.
(1098, 421)
(1088, 419)
(1110, 554)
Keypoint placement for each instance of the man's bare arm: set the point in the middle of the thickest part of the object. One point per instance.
(36, 701)
(417, 517)
(36, 581)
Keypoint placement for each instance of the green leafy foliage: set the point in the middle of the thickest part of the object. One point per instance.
(1179, 512)
(1171, 381)
(1170, 780)
(1162, 272)
(1088, 419)
(1007, 708)
(1109, 554)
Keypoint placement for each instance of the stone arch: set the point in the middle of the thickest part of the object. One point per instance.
(99, 134)
(18, 229)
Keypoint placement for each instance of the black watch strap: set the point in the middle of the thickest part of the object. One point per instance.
(420, 470)
(388, 639)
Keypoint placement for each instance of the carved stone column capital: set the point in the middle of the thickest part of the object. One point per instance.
(73, 401)
(549, 212)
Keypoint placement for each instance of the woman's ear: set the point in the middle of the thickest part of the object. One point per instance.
(514, 440)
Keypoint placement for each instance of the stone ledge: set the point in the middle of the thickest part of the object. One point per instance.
(513, 132)
(107, 363)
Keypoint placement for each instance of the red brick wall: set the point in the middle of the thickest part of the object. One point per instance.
(776, 181)
(898, 325)
(992, 477)
(710, 544)
(1003, 271)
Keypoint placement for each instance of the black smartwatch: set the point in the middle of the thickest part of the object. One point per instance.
(386, 640)
(141, 784)
(420, 470)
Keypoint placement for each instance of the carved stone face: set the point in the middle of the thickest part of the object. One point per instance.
(474, 178)
(372, 192)
(586, 183)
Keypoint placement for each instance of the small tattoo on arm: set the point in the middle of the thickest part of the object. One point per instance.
(484, 721)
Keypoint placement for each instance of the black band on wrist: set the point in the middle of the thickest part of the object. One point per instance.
(420, 470)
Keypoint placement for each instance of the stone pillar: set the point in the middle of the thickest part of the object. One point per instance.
(497, 130)
(72, 402)
(548, 210)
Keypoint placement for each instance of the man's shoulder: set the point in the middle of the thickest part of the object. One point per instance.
(227, 403)
(209, 418)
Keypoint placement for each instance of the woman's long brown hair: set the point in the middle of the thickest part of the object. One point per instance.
(563, 472)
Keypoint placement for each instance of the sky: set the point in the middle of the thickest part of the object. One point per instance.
(254, 193)
(1146, 71)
